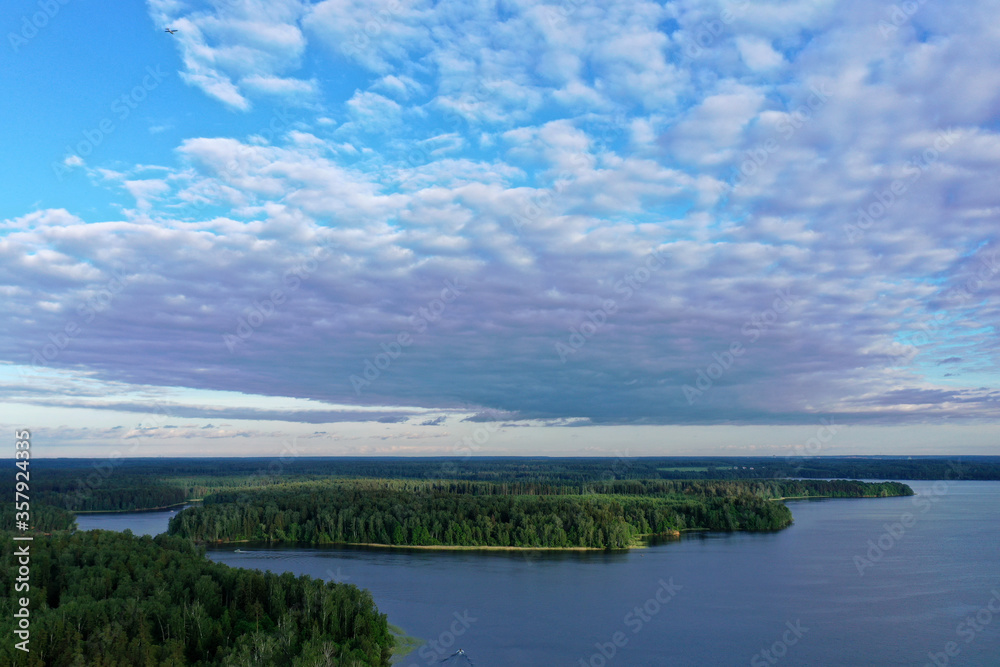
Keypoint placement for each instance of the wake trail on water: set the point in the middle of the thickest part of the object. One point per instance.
(457, 658)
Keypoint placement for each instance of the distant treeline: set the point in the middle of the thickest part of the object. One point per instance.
(769, 488)
(408, 513)
(102, 488)
(208, 472)
(115, 498)
(103, 598)
(132, 484)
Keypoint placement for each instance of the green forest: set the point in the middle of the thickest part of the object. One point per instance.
(471, 514)
(118, 498)
(103, 599)
(110, 599)
(44, 518)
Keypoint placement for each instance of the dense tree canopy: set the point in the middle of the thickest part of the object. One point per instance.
(108, 599)
(400, 512)
(104, 599)
(42, 518)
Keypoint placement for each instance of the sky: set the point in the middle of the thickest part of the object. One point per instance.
(469, 228)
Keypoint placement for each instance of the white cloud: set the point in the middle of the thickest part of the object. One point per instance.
(232, 49)
(758, 53)
(538, 159)
(274, 85)
(146, 190)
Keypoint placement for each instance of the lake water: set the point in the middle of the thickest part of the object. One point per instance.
(891, 581)
(140, 523)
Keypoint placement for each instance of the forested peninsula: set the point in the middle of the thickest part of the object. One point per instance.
(100, 598)
(530, 515)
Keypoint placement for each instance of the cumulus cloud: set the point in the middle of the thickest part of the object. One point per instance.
(231, 49)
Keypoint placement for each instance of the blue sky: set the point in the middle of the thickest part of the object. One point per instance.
(571, 228)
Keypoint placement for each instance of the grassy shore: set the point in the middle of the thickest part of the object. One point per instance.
(639, 543)
(431, 547)
(138, 509)
(405, 644)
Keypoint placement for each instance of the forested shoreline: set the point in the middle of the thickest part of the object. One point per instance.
(100, 598)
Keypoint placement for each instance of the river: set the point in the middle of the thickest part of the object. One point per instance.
(889, 581)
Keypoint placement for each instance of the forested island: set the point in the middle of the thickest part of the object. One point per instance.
(599, 515)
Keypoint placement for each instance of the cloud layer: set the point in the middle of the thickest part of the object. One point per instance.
(743, 213)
